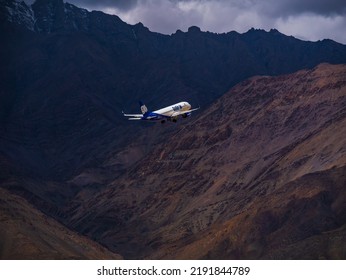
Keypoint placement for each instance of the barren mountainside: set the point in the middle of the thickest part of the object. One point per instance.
(260, 174)
(257, 172)
(26, 233)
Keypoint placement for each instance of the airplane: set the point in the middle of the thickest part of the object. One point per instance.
(170, 113)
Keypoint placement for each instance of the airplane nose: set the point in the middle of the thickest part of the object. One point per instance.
(188, 106)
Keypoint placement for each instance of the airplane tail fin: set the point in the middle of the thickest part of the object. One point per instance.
(144, 108)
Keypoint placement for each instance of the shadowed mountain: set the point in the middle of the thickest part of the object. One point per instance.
(67, 73)
(261, 174)
(26, 233)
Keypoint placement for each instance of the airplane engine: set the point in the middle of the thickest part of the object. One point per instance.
(186, 115)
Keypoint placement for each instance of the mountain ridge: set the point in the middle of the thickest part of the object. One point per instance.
(63, 140)
(101, 66)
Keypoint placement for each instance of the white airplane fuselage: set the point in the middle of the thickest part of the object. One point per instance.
(170, 113)
(173, 109)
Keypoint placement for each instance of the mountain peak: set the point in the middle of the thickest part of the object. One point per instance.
(52, 5)
(17, 12)
(51, 2)
(50, 14)
(194, 29)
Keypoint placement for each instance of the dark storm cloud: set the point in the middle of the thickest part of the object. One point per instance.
(274, 7)
(305, 19)
(296, 7)
(99, 4)
(124, 5)
(283, 7)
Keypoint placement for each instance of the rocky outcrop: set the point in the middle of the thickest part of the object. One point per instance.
(260, 174)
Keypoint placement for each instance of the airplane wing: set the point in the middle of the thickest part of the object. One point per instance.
(189, 111)
(175, 114)
(133, 117)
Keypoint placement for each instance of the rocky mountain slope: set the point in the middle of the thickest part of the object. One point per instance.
(26, 233)
(65, 76)
(261, 174)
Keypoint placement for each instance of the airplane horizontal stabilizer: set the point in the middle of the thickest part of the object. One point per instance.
(134, 119)
(133, 115)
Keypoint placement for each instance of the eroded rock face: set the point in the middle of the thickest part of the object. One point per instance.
(260, 174)
(162, 192)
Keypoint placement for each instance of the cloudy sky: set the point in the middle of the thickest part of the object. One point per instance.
(305, 19)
